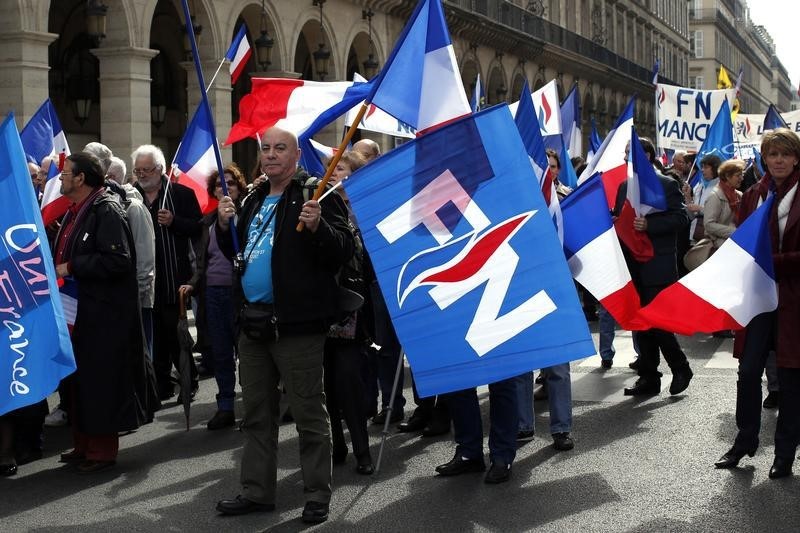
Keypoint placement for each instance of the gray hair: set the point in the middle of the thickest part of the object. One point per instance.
(101, 152)
(152, 151)
(117, 170)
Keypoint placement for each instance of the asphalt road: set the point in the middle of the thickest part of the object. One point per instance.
(637, 466)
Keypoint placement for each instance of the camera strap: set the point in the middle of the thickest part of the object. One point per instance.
(263, 227)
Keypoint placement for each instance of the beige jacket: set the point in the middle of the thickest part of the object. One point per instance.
(718, 218)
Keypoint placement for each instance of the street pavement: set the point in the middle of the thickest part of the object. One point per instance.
(638, 466)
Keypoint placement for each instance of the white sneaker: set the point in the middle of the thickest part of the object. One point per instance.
(57, 417)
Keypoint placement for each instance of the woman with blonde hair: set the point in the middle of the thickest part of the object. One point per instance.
(775, 330)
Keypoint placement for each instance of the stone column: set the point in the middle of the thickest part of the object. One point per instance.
(219, 97)
(23, 72)
(124, 97)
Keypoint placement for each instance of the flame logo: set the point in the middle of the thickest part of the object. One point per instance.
(548, 111)
(662, 97)
(747, 127)
(468, 261)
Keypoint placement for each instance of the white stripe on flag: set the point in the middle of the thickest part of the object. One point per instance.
(747, 290)
(614, 274)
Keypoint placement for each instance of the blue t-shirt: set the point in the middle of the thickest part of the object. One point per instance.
(257, 279)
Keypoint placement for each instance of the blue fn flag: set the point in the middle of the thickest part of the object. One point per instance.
(718, 141)
(35, 345)
(773, 119)
(467, 257)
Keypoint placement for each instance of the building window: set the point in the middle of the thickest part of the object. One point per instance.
(696, 82)
(696, 44)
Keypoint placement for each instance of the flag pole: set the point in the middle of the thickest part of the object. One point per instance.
(201, 83)
(214, 77)
(336, 157)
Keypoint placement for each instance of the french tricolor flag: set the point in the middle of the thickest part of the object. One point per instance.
(594, 254)
(238, 53)
(195, 157)
(645, 195)
(727, 290)
(420, 83)
(531, 134)
(294, 105)
(44, 137)
(609, 159)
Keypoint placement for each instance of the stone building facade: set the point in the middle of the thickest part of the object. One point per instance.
(721, 33)
(135, 85)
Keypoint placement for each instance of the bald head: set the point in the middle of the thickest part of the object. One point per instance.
(368, 148)
(279, 155)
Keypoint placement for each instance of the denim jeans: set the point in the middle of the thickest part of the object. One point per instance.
(468, 428)
(219, 322)
(559, 398)
(607, 326)
(525, 401)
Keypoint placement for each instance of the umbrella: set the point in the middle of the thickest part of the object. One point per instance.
(185, 359)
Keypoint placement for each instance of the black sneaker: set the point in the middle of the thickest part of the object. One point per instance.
(563, 442)
(606, 363)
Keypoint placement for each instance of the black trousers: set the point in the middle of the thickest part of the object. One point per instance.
(344, 393)
(759, 340)
(654, 342)
(431, 409)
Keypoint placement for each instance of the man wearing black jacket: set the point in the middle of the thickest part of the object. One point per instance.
(176, 221)
(288, 297)
(651, 277)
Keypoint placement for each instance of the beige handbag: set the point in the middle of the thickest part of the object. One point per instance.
(698, 253)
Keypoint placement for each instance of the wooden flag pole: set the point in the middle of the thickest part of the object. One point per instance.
(336, 157)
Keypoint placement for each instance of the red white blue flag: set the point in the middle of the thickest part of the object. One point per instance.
(43, 137)
(594, 255)
(420, 83)
(238, 53)
(195, 157)
(730, 288)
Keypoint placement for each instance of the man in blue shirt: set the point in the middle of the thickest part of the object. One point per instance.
(288, 298)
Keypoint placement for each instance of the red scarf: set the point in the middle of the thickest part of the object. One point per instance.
(731, 196)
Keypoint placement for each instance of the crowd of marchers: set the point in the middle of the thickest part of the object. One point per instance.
(299, 315)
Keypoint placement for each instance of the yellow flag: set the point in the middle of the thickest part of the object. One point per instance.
(723, 82)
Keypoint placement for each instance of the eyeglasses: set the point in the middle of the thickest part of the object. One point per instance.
(67, 173)
(140, 171)
(229, 183)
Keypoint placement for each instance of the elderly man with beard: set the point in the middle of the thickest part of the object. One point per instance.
(176, 219)
(95, 247)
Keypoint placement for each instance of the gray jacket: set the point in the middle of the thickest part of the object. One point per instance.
(141, 224)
